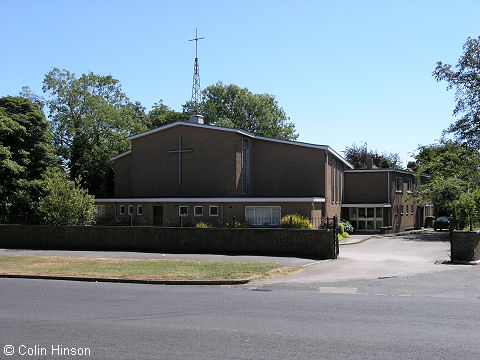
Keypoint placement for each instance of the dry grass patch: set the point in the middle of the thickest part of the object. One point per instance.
(138, 269)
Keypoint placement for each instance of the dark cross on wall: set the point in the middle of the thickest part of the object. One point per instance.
(180, 151)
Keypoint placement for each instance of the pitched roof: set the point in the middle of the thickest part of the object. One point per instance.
(241, 132)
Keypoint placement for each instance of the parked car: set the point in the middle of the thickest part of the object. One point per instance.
(442, 222)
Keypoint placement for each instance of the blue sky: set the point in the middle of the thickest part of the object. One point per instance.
(344, 71)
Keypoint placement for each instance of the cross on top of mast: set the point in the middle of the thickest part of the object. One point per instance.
(196, 116)
(196, 38)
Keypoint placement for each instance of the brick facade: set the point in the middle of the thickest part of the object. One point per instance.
(227, 164)
(391, 193)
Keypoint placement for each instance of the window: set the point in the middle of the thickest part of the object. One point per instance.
(401, 209)
(139, 210)
(369, 218)
(183, 210)
(261, 215)
(411, 209)
(398, 184)
(361, 213)
(100, 210)
(409, 185)
(337, 193)
(370, 212)
(245, 166)
(341, 184)
(427, 210)
(130, 209)
(332, 179)
(198, 210)
(396, 209)
(213, 210)
(122, 209)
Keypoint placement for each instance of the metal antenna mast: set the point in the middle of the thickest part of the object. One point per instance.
(196, 91)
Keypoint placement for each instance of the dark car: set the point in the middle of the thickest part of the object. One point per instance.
(442, 222)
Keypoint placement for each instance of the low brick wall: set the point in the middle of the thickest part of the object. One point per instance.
(465, 246)
(314, 244)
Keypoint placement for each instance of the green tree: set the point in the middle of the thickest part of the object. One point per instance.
(465, 78)
(454, 182)
(91, 118)
(358, 156)
(25, 153)
(234, 107)
(64, 202)
(161, 115)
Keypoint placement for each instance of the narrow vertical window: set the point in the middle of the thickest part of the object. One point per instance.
(245, 166)
(333, 180)
(341, 184)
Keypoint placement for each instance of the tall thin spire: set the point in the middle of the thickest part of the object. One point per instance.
(196, 90)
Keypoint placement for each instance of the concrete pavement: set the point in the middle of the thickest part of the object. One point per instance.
(379, 257)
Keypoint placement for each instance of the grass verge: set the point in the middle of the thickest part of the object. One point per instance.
(138, 269)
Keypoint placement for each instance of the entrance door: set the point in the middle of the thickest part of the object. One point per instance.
(419, 218)
(157, 215)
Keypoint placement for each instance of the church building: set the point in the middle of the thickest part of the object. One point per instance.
(189, 172)
(192, 172)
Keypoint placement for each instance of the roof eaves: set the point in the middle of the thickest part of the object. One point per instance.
(121, 155)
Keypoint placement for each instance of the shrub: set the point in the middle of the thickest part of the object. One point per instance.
(347, 226)
(340, 228)
(64, 202)
(343, 235)
(204, 225)
(297, 222)
(239, 224)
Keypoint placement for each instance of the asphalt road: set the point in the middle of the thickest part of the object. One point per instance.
(129, 321)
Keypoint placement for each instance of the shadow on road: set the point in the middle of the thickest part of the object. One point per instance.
(439, 236)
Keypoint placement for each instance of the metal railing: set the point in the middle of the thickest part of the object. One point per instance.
(178, 221)
(474, 223)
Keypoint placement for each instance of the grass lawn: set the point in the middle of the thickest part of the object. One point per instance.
(138, 269)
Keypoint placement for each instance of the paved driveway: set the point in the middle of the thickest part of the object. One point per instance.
(379, 257)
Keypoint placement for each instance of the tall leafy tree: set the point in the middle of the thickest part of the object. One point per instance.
(91, 118)
(25, 153)
(465, 78)
(239, 108)
(454, 183)
(161, 115)
(358, 156)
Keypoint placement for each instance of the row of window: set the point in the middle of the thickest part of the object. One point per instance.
(399, 185)
(364, 213)
(182, 210)
(130, 210)
(399, 210)
(198, 210)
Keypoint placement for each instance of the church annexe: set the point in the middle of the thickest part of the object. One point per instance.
(191, 172)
